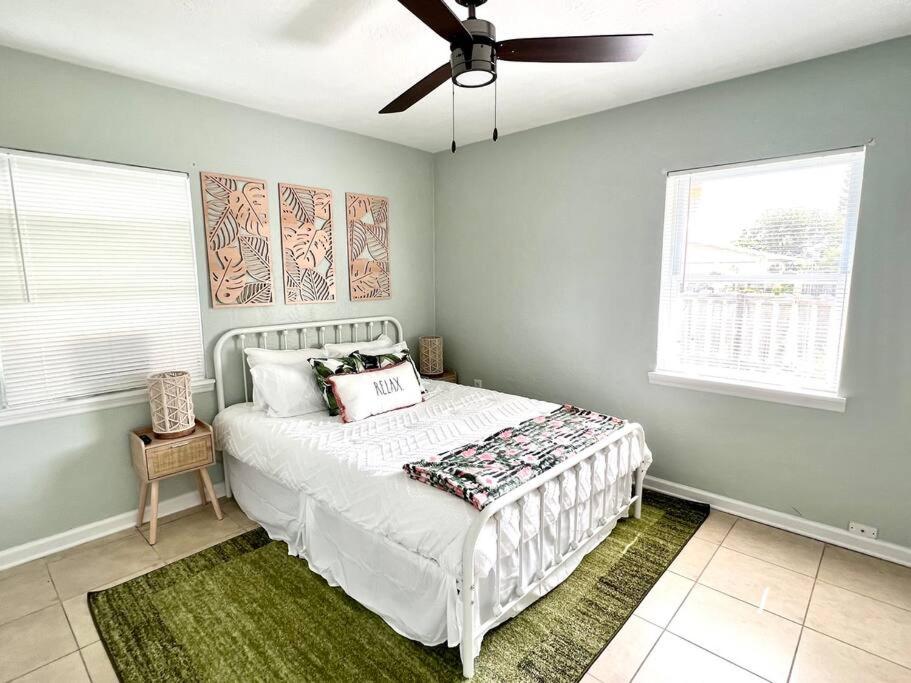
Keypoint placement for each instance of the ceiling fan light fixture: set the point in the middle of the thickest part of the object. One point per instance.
(474, 78)
(474, 66)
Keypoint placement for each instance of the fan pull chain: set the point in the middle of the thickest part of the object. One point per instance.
(453, 119)
(496, 134)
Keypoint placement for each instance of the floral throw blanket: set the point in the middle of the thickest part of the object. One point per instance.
(484, 471)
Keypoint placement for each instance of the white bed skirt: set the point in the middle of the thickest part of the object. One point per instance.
(410, 592)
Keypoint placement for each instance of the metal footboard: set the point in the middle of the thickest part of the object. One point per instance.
(617, 499)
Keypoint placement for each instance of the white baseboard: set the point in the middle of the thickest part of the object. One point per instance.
(89, 532)
(782, 520)
(823, 532)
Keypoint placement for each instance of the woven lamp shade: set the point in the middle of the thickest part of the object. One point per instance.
(431, 352)
(171, 402)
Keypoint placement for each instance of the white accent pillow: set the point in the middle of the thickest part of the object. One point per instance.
(286, 390)
(257, 356)
(364, 394)
(384, 341)
(392, 348)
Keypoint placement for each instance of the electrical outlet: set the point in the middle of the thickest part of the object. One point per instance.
(863, 530)
(479, 383)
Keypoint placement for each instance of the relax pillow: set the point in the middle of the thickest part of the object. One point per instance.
(286, 390)
(325, 368)
(346, 349)
(393, 355)
(374, 392)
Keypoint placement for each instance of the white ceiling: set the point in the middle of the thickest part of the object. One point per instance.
(337, 62)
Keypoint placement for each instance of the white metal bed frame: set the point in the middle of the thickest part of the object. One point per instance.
(617, 500)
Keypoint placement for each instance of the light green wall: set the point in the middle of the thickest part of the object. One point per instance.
(547, 256)
(547, 259)
(61, 473)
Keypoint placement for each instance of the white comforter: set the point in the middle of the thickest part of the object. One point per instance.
(356, 471)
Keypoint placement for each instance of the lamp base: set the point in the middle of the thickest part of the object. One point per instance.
(175, 435)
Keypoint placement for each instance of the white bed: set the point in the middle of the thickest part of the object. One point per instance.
(337, 495)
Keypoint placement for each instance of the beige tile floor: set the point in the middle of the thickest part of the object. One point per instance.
(46, 631)
(747, 602)
(742, 602)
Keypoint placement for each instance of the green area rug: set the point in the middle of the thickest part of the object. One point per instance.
(244, 610)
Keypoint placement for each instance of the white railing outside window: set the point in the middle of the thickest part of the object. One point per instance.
(98, 283)
(756, 275)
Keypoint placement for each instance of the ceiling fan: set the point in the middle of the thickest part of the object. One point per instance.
(475, 50)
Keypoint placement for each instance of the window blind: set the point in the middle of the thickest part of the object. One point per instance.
(98, 286)
(12, 288)
(756, 271)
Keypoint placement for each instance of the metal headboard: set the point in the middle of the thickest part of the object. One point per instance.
(292, 336)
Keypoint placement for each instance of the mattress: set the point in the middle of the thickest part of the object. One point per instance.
(336, 493)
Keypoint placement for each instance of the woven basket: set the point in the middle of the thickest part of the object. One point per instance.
(171, 402)
(431, 352)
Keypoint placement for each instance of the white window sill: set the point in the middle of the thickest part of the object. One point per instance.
(11, 416)
(805, 399)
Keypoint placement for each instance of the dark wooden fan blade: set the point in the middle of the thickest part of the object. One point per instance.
(419, 90)
(439, 18)
(621, 48)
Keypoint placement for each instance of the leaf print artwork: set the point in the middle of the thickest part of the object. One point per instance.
(307, 258)
(369, 280)
(249, 207)
(256, 293)
(314, 287)
(299, 202)
(368, 247)
(237, 238)
(357, 238)
(223, 227)
(228, 274)
(255, 251)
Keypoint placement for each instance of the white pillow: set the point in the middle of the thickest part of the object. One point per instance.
(392, 348)
(257, 356)
(346, 349)
(364, 394)
(286, 390)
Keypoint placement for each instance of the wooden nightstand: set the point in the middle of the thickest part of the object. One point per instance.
(447, 376)
(163, 458)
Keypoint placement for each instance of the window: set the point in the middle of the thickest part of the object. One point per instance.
(98, 281)
(755, 277)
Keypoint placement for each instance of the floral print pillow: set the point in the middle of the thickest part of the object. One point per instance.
(326, 368)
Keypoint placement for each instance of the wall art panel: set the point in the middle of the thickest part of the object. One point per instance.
(237, 239)
(368, 247)
(307, 259)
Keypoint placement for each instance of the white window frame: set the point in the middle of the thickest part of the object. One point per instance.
(87, 404)
(835, 401)
(111, 399)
